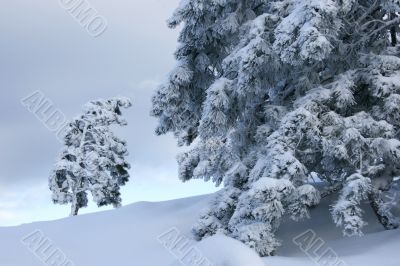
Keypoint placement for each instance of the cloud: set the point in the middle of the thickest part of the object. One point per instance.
(148, 85)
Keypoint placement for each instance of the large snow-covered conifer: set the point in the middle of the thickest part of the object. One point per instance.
(273, 94)
(93, 159)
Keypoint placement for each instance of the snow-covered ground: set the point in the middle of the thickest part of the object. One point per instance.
(157, 234)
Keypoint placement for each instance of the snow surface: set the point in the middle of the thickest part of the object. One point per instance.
(135, 235)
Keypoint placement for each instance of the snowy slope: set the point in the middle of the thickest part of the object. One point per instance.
(143, 234)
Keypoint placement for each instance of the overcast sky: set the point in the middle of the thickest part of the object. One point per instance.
(42, 47)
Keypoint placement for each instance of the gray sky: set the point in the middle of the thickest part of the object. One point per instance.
(43, 48)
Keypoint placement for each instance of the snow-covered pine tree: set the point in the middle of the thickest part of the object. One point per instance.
(93, 159)
(269, 94)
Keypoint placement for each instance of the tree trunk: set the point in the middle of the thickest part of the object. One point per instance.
(375, 202)
(393, 33)
(74, 208)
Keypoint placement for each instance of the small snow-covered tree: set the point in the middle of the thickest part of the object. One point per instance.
(269, 94)
(93, 159)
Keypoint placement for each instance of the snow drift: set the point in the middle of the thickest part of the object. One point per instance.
(137, 235)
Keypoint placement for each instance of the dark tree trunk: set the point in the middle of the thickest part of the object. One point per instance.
(74, 208)
(393, 33)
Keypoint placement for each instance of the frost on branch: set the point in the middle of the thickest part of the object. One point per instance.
(347, 211)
